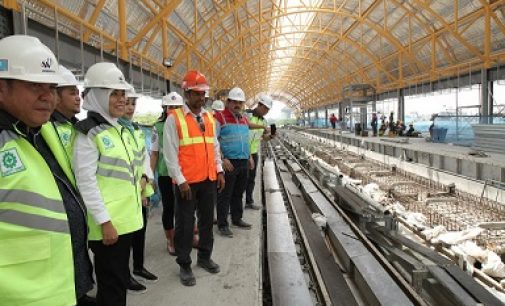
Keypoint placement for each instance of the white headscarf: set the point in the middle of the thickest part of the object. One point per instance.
(97, 100)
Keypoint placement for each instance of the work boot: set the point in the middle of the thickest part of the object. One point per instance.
(170, 241)
(135, 287)
(251, 206)
(148, 276)
(187, 277)
(241, 224)
(209, 265)
(225, 231)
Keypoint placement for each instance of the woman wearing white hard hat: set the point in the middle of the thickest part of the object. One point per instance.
(44, 256)
(104, 166)
(171, 101)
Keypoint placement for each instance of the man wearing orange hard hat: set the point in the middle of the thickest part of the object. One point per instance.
(193, 159)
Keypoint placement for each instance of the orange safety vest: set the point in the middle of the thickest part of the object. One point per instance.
(196, 148)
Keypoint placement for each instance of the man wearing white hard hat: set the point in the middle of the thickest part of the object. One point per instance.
(104, 166)
(171, 101)
(233, 133)
(42, 219)
(67, 107)
(257, 133)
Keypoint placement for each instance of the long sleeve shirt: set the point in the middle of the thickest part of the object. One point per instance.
(171, 147)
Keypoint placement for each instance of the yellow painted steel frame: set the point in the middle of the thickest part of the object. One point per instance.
(240, 39)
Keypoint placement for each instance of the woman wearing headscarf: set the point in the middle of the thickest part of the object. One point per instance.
(104, 165)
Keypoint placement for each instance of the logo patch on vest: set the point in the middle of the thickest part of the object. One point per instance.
(10, 162)
(107, 142)
(65, 139)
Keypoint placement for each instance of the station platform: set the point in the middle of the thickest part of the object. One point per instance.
(238, 283)
(439, 162)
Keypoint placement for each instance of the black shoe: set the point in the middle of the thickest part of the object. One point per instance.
(148, 276)
(86, 301)
(187, 277)
(241, 224)
(225, 231)
(209, 265)
(252, 206)
(136, 287)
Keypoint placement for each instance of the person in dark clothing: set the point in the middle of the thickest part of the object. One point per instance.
(29, 144)
(333, 121)
(233, 133)
(374, 124)
(392, 127)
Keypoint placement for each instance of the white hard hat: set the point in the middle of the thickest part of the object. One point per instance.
(266, 100)
(218, 105)
(132, 94)
(236, 94)
(25, 58)
(105, 75)
(172, 99)
(68, 76)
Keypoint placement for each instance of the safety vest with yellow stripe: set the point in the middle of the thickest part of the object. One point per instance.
(117, 178)
(36, 264)
(196, 148)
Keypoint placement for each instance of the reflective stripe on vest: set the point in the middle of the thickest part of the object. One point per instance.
(119, 187)
(36, 261)
(196, 148)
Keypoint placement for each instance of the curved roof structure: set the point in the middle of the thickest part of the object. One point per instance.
(305, 51)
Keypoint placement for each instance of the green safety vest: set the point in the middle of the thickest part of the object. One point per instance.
(255, 135)
(140, 153)
(118, 179)
(36, 264)
(161, 166)
(66, 131)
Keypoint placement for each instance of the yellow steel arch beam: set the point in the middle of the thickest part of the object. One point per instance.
(294, 11)
(165, 11)
(356, 45)
(423, 4)
(92, 19)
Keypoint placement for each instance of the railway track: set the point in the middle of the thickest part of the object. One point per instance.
(360, 258)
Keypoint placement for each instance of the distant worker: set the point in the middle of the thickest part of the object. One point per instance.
(374, 124)
(333, 121)
(411, 132)
(144, 174)
(432, 124)
(255, 136)
(217, 106)
(104, 168)
(191, 152)
(391, 125)
(169, 102)
(233, 134)
(67, 107)
(44, 256)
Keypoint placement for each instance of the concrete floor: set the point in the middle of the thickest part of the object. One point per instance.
(238, 283)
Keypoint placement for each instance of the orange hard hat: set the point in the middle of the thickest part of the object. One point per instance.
(195, 80)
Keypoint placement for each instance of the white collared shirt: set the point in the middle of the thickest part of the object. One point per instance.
(171, 146)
